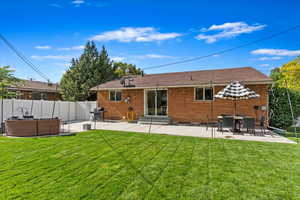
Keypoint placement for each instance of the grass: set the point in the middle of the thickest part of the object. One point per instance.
(123, 165)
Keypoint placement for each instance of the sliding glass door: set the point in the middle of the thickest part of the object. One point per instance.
(151, 102)
(156, 102)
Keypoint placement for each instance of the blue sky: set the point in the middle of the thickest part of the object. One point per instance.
(148, 33)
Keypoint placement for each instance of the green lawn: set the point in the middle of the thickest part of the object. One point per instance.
(121, 165)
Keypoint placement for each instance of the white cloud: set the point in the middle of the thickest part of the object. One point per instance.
(81, 47)
(276, 52)
(78, 3)
(118, 59)
(56, 5)
(52, 57)
(264, 65)
(157, 56)
(152, 56)
(228, 30)
(129, 34)
(270, 58)
(43, 47)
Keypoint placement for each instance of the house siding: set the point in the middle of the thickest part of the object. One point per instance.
(182, 106)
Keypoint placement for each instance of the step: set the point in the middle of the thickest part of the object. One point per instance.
(154, 120)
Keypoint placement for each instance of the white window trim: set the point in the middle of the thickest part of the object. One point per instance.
(115, 91)
(203, 87)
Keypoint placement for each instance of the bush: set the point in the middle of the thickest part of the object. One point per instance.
(280, 113)
(292, 129)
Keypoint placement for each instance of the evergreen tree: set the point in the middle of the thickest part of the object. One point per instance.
(92, 68)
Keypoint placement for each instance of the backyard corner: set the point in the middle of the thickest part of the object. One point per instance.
(104, 164)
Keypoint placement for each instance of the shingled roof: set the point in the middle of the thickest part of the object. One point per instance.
(247, 75)
(30, 85)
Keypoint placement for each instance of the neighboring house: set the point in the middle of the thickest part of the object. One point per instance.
(37, 90)
(183, 96)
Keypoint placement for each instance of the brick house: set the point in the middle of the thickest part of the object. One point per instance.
(37, 90)
(183, 96)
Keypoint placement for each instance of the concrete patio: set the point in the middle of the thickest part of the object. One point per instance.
(181, 130)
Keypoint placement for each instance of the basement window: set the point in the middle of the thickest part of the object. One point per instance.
(204, 94)
(115, 95)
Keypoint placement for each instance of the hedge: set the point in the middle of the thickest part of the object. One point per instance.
(279, 109)
(292, 129)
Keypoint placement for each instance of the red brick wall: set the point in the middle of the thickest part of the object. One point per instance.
(183, 107)
(118, 109)
(181, 104)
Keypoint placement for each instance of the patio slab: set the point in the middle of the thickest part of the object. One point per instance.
(181, 130)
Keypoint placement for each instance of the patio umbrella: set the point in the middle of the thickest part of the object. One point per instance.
(236, 91)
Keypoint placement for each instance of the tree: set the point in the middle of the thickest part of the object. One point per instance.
(287, 80)
(123, 69)
(288, 75)
(92, 68)
(7, 79)
(68, 84)
(280, 113)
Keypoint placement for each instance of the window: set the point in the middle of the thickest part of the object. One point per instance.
(204, 94)
(36, 96)
(39, 95)
(115, 95)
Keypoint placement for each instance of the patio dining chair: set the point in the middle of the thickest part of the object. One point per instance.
(249, 124)
(227, 122)
(261, 125)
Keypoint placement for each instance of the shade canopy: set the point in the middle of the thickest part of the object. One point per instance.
(236, 91)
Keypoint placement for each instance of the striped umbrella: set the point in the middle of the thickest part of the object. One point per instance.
(236, 91)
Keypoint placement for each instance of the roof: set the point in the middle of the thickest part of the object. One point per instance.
(30, 85)
(247, 75)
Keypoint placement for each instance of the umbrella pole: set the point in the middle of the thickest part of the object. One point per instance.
(235, 113)
(235, 107)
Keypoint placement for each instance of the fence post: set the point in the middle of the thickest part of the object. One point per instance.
(58, 107)
(87, 110)
(42, 108)
(12, 107)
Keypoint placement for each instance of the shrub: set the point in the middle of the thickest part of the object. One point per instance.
(292, 129)
(280, 112)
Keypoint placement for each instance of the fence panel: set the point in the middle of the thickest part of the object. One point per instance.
(84, 108)
(66, 111)
(73, 112)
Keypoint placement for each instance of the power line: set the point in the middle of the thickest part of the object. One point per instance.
(26, 60)
(225, 50)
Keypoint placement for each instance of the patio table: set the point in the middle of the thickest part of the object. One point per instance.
(237, 122)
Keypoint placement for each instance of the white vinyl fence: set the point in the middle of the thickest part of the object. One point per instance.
(64, 110)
